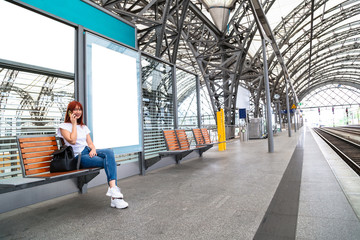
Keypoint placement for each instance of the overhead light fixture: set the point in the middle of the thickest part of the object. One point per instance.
(219, 11)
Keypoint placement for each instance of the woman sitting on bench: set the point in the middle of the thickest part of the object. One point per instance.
(76, 134)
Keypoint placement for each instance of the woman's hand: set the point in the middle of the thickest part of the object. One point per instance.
(93, 153)
(74, 118)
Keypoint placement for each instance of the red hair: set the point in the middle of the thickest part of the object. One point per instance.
(72, 105)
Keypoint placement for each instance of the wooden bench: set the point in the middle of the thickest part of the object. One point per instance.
(202, 136)
(35, 156)
(206, 136)
(177, 143)
(173, 146)
(200, 147)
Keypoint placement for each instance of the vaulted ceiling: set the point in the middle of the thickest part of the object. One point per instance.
(319, 42)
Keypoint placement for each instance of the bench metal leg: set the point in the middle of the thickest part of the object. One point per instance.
(151, 161)
(83, 181)
(178, 158)
(83, 189)
(202, 150)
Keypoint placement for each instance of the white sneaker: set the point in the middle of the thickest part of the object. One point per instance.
(114, 192)
(118, 203)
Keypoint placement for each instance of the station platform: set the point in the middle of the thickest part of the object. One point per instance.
(301, 191)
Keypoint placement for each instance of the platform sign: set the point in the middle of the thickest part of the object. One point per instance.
(285, 111)
(242, 113)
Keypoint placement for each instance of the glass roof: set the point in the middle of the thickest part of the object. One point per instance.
(331, 95)
(319, 53)
(279, 10)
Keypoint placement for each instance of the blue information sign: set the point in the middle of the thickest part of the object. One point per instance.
(242, 113)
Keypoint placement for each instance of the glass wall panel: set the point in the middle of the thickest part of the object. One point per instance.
(30, 38)
(158, 112)
(208, 118)
(30, 104)
(187, 103)
(186, 99)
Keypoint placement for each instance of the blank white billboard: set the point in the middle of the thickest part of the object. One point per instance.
(30, 38)
(243, 98)
(113, 106)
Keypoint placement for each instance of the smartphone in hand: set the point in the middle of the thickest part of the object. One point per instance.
(69, 113)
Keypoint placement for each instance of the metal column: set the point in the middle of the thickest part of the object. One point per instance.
(295, 121)
(268, 104)
(80, 68)
(198, 101)
(280, 120)
(288, 108)
(174, 93)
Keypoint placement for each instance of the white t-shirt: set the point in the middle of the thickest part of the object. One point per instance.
(82, 132)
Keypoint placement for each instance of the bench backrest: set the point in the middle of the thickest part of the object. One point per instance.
(35, 153)
(206, 135)
(171, 140)
(176, 140)
(183, 139)
(198, 136)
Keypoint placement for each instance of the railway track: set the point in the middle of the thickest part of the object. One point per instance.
(347, 150)
(348, 129)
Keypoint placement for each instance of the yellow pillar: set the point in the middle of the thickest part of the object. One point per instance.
(221, 129)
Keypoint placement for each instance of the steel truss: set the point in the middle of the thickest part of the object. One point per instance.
(177, 31)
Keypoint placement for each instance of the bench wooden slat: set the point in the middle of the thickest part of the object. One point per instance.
(35, 160)
(168, 132)
(174, 148)
(37, 165)
(39, 154)
(172, 144)
(35, 171)
(38, 144)
(171, 139)
(37, 139)
(54, 174)
(40, 149)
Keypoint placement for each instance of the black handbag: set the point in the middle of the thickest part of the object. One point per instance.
(64, 160)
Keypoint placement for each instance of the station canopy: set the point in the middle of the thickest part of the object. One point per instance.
(318, 39)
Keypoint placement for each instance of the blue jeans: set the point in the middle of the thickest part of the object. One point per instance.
(105, 158)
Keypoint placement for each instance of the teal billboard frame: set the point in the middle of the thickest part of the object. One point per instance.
(88, 15)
